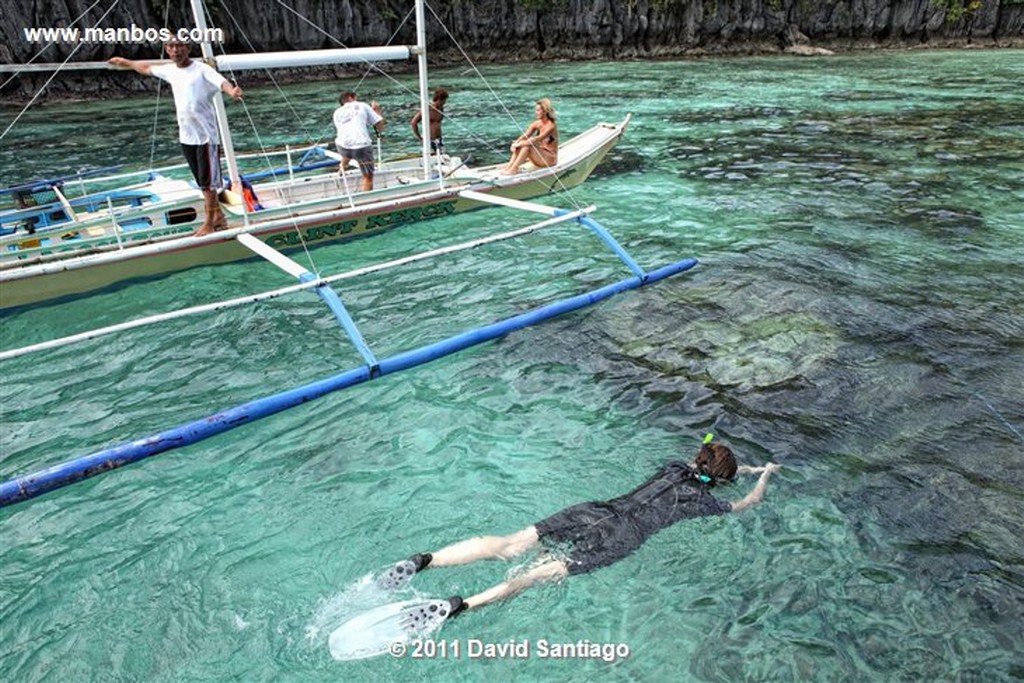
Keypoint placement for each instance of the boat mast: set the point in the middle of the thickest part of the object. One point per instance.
(421, 59)
(218, 102)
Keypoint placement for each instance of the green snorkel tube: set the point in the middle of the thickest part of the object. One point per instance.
(702, 477)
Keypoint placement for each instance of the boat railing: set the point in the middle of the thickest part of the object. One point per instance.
(84, 183)
(90, 209)
(88, 231)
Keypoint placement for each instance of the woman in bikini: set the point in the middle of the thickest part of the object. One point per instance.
(539, 144)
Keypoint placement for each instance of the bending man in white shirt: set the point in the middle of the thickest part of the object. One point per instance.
(353, 119)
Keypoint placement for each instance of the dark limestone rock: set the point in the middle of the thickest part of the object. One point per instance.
(510, 30)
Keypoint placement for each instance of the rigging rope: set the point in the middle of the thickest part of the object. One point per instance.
(259, 139)
(46, 47)
(309, 136)
(269, 74)
(53, 75)
(156, 107)
(564, 190)
(371, 66)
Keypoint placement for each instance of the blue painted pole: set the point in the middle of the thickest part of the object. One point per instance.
(333, 301)
(31, 485)
(608, 239)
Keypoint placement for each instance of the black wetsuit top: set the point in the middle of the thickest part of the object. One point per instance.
(605, 532)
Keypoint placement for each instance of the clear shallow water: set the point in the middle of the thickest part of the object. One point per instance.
(856, 316)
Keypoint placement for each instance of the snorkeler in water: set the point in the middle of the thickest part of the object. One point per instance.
(596, 533)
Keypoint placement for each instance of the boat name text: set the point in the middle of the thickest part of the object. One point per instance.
(374, 222)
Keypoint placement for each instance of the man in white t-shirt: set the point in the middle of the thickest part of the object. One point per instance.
(353, 119)
(194, 85)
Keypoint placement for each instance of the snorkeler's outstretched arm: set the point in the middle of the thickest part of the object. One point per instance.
(749, 469)
(757, 494)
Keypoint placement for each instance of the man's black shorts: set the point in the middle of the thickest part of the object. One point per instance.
(204, 162)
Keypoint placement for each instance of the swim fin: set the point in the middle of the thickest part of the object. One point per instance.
(400, 574)
(373, 632)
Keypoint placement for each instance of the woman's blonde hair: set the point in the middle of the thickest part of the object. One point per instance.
(547, 107)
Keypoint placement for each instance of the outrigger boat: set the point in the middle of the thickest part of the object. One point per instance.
(54, 244)
(298, 208)
(144, 230)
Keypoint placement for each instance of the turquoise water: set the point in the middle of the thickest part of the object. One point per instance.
(857, 316)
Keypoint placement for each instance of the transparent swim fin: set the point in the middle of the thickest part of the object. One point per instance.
(372, 633)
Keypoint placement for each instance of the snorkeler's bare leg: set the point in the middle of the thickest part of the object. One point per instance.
(549, 571)
(463, 552)
(486, 548)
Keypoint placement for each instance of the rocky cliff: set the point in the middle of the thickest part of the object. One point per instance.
(523, 29)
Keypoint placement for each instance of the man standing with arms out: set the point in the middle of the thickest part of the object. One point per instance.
(194, 85)
(353, 119)
(436, 116)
